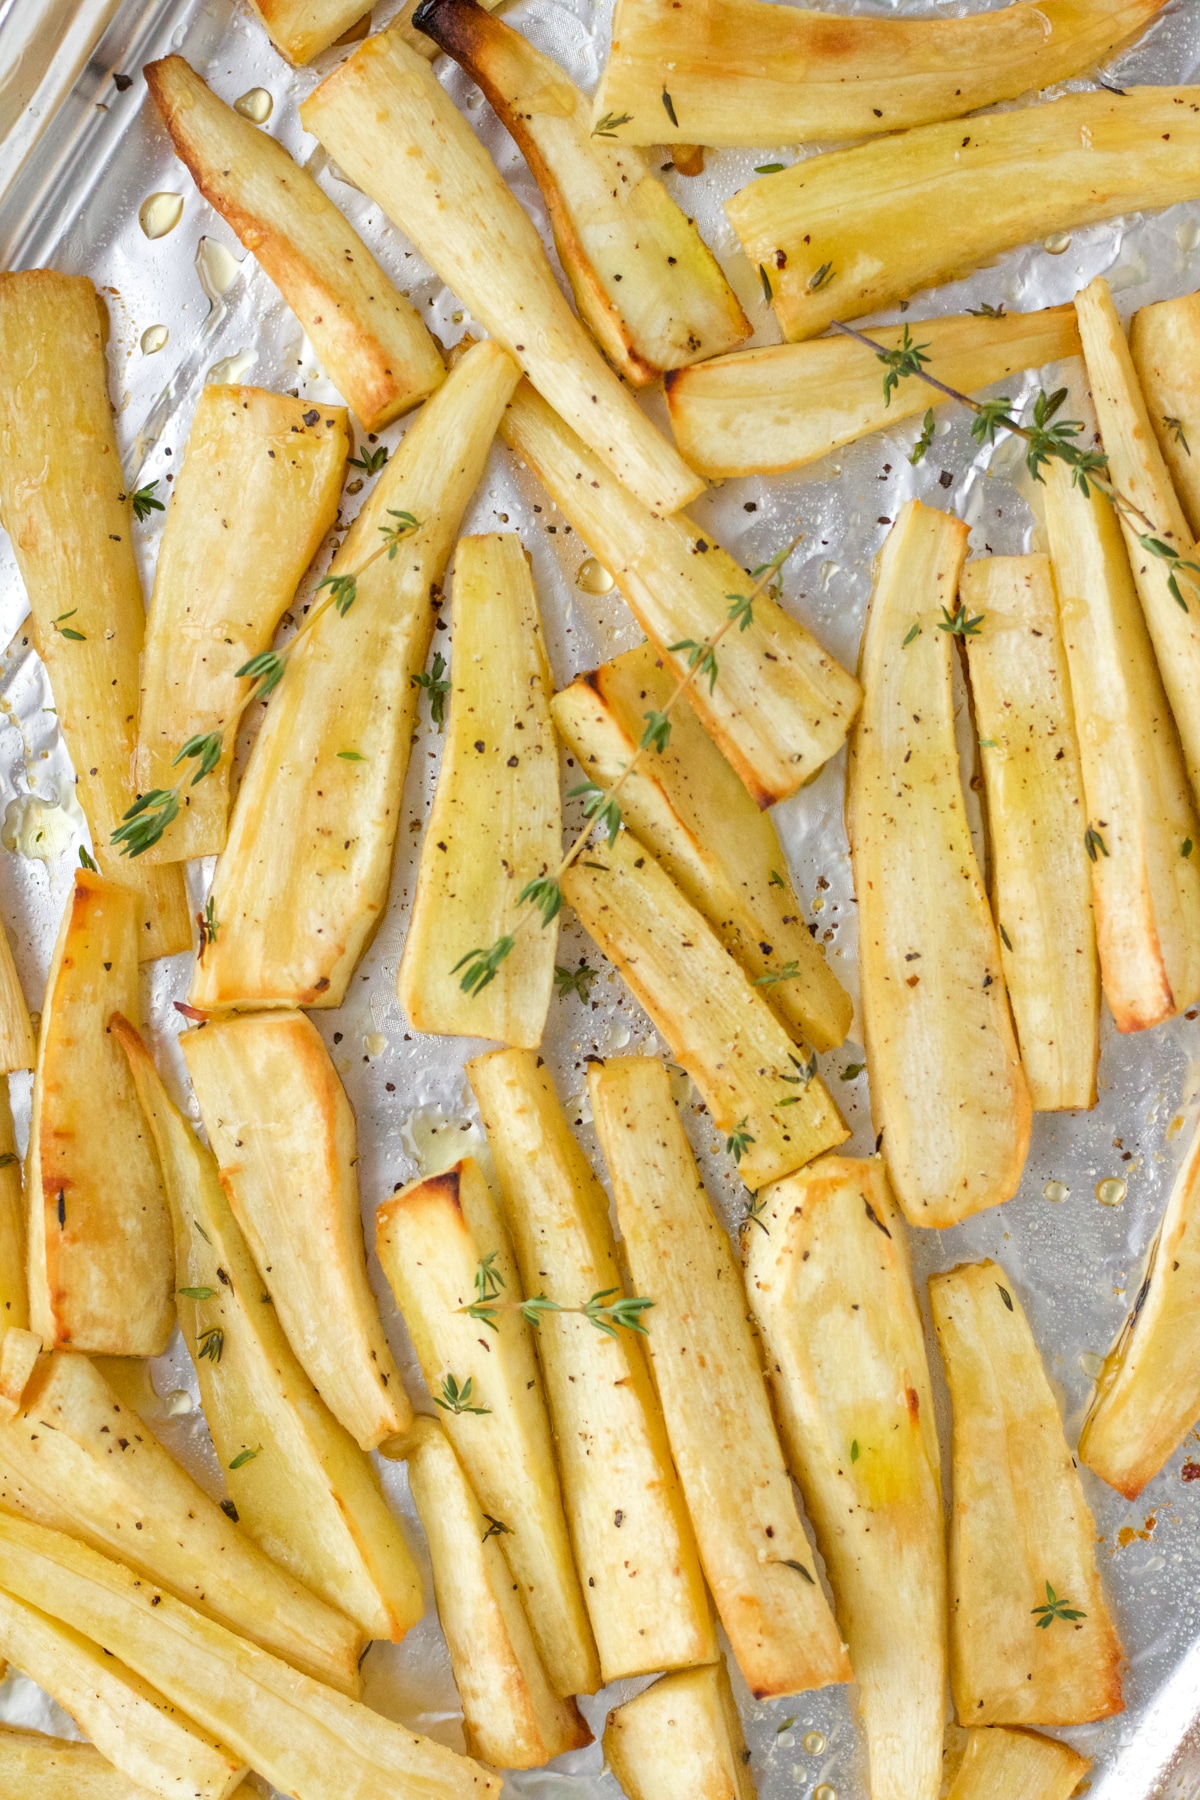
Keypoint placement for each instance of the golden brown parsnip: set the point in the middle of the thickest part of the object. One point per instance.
(19, 1352)
(710, 1383)
(1163, 341)
(67, 514)
(301, 29)
(259, 487)
(1017, 1765)
(14, 1284)
(1031, 1640)
(99, 1232)
(680, 1739)
(947, 1088)
(36, 1767)
(397, 133)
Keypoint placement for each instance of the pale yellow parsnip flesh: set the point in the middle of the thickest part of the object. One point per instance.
(36, 1767)
(301, 29)
(1017, 1765)
(680, 1739)
(14, 1287)
(1164, 340)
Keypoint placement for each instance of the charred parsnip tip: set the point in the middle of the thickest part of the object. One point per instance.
(1017, 1765)
(680, 1739)
(841, 235)
(1164, 340)
(38, 1767)
(1031, 1639)
(301, 29)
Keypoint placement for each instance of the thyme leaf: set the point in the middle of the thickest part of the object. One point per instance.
(456, 1399)
(573, 981)
(144, 502)
(436, 687)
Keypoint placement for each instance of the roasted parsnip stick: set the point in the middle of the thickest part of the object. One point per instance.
(831, 1292)
(301, 29)
(1031, 1640)
(1037, 825)
(861, 229)
(513, 1719)
(783, 405)
(19, 1352)
(63, 500)
(99, 1230)
(1145, 891)
(308, 1496)
(706, 1369)
(743, 73)
(433, 1240)
(17, 1050)
(947, 1087)
(303, 879)
(260, 480)
(633, 1541)
(283, 1134)
(1017, 1765)
(646, 284)
(680, 1739)
(14, 1285)
(396, 132)
(762, 1090)
(688, 807)
(780, 706)
(36, 1767)
(496, 820)
(1163, 342)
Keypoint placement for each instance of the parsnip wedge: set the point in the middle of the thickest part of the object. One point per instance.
(301, 29)
(397, 133)
(79, 1460)
(783, 405)
(36, 1767)
(19, 1352)
(142, 1734)
(259, 483)
(740, 72)
(1145, 891)
(860, 230)
(1163, 341)
(710, 1383)
(680, 1739)
(760, 1086)
(309, 1496)
(646, 284)
(513, 1719)
(1031, 1640)
(1017, 1765)
(370, 339)
(64, 506)
(433, 1238)
(1037, 825)
(496, 820)
(780, 706)
(688, 807)
(301, 1737)
(303, 879)
(14, 1284)
(282, 1131)
(947, 1088)
(99, 1230)
(634, 1545)
(831, 1292)
(17, 1049)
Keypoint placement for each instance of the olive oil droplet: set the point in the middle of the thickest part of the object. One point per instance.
(594, 578)
(160, 213)
(1057, 242)
(1111, 1191)
(178, 1403)
(824, 1792)
(255, 104)
(1090, 1363)
(154, 338)
(813, 1743)
(1056, 1190)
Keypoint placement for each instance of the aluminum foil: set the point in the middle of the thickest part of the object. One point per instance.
(74, 205)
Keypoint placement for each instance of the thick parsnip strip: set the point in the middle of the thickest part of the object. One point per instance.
(370, 339)
(36, 1767)
(634, 1546)
(433, 1238)
(14, 1284)
(759, 1085)
(1164, 341)
(780, 706)
(710, 1382)
(1037, 825)
(99, 1231)
(646, 284)
(512, 1717)
(303, 1738)
(64, 506)
(1145, 891)
(396, 132)
(303, 880)
(19, 1352)
(308, 1496)
(259, 485)
(1031, 1640)
(783, 405)
(496, 820)
(1017, 1765)
(947, 1087)
(688, 807)
(831, 1292)
(680, 1739)
(283, 1133)
(740, 72)
(860, 230)
(301, 29)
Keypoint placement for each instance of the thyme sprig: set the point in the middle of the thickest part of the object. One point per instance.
(1056, 1607)
(573, 981)
(456, 1399)
(607, 1314)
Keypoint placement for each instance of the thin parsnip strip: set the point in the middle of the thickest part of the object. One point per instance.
(1031, 1640)
(710, 1382)
(64, 506)
(680, 1739)
(780, 706)
(17, 1049)
(258, 487)
(859, 230)
(633, 1541)
(495, 824)
(1017, 1765)
(368, 336)
(1164, 340)
(947, 1088)
(14, 1285)
(396, 132)
(36, 1767)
